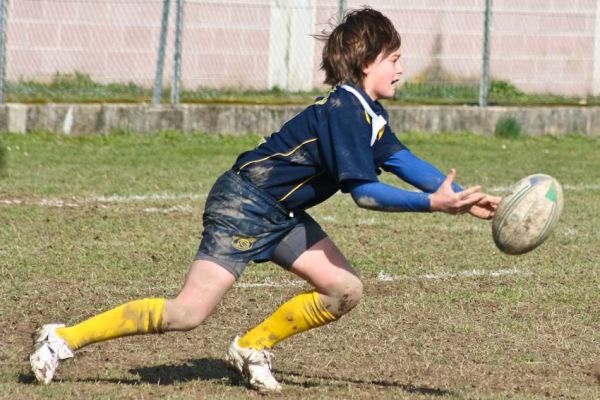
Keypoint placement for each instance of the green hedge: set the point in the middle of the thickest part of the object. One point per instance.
(79, 87)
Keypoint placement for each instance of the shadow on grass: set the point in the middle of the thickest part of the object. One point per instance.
(205, 369)
(344, 381)
(167, 374)
(208, 369)
(26, 379)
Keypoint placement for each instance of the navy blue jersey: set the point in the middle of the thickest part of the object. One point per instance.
(317, 151)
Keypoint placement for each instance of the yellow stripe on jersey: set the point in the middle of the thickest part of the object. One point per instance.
(300, 185)
(295, 149)
(380, 133)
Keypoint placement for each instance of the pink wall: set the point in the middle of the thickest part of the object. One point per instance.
(538, 45)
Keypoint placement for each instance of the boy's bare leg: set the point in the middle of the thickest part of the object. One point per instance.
(337, 282)
(337, 290)
(205, 285)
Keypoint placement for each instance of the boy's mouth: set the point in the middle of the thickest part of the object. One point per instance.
(395, 81)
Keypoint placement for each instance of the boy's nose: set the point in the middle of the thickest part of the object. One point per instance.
(399, 68)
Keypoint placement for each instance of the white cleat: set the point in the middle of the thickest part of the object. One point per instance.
(49, 350)
(254, 366)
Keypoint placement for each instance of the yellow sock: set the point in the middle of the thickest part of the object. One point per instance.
(299, 314)
(136, 317)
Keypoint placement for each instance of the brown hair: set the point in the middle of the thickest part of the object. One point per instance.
(355, 43)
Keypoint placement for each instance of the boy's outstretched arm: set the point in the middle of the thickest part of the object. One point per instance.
(428, 178)
(419, 173)
(382, 197)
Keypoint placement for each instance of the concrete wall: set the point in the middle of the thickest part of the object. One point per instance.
(82, 119)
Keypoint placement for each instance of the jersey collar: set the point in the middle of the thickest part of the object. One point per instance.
(374, 104)
(377, 120)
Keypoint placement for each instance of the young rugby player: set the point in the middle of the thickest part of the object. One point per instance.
(256, 211)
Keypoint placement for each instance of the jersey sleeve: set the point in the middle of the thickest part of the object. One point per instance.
(344, 138)
(385, 146)
(416, 171)
(381, 197)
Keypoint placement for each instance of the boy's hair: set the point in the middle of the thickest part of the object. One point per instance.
(355, 43)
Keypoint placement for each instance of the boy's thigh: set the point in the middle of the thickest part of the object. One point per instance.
(325, 267)
(300, 238)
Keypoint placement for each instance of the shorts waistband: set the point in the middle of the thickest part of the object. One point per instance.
(248, 184)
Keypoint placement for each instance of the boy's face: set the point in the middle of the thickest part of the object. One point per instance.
(382, 75)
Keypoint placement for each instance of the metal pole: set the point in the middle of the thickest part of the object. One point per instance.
(596, 71)
(175, 96)
(3, 14)
(160, 60)
(341, 9)
(485, 70)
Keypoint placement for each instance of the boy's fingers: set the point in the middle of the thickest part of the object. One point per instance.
(495, 199)
(471, 201)
(450, 177)
(470, 191)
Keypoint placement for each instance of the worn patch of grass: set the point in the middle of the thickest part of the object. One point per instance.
(445, 315)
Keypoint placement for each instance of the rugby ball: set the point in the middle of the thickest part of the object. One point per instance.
(528, 214)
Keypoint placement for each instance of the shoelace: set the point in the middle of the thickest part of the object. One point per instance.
(268, 355)
(261, 357)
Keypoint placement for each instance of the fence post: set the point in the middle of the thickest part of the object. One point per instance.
(176, 85)
(341, 8)
(485, 70)
(291, 47)
(596, 71)
(160, 60)
(3, 27)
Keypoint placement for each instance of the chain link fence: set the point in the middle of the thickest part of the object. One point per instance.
(535, 46)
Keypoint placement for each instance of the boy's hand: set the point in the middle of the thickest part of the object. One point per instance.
(486, 207)
(448, 201)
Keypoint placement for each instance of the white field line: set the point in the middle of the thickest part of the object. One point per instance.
(174, 209)
(269, 283)
(381, 278)
(117, 199)
(474, 273)
(384, 277)
(105, 201)
(147, 197)
(575, 188)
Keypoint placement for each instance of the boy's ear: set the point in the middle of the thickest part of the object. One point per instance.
(367, 68)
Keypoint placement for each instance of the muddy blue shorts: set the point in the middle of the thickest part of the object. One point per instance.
(243, 223)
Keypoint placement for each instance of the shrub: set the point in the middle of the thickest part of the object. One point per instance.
(507, 127)
(505, 90)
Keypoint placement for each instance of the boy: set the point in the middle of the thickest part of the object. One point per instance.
(256, 211)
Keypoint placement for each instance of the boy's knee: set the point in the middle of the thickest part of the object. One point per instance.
(345, 296)
(182, 316)
(352, 295)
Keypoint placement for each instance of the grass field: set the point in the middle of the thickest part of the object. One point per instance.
(89, 223)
